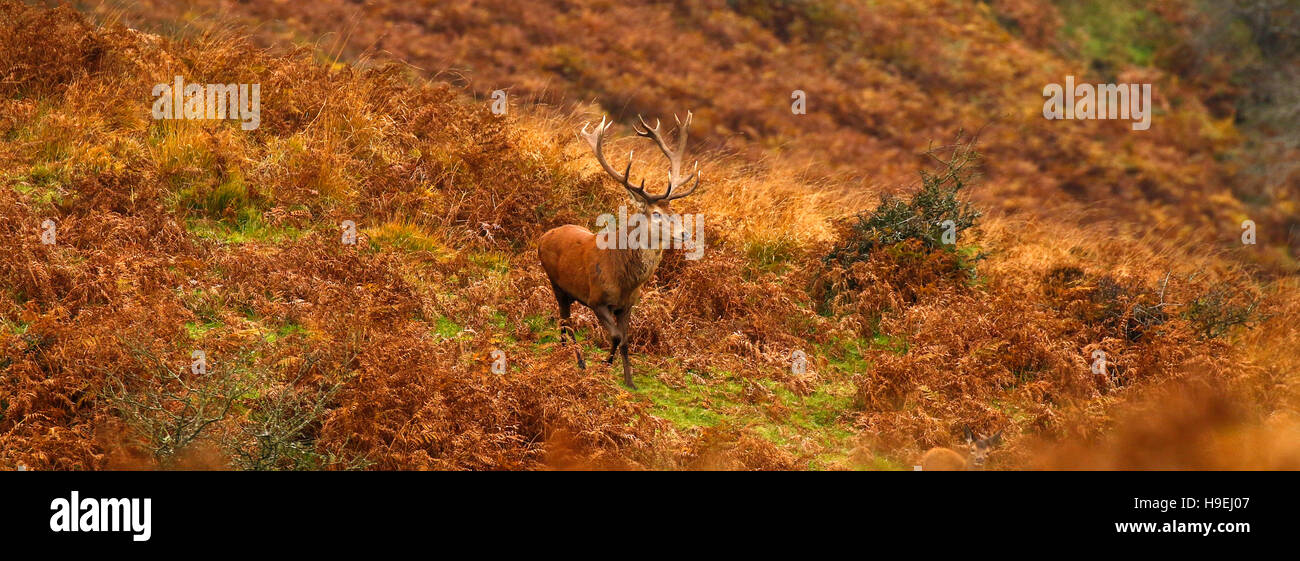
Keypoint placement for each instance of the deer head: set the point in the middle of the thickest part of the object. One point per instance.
(980, 447)
(654, 208)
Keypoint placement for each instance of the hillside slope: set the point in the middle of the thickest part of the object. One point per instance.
(883, 80)
(177, 236)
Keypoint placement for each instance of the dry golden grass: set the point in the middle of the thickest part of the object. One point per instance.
(182, 235)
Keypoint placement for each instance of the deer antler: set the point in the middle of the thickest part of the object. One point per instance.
(596, 139)
(675, 179)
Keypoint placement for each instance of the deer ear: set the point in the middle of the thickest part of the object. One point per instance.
(970, 437)
(996, 439)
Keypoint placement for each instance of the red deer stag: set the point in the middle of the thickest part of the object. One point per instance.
(608, 279)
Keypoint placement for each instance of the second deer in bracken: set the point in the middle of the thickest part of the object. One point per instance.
(945, 459)
(609, 279)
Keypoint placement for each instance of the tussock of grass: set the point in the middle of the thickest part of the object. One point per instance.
(406, 237)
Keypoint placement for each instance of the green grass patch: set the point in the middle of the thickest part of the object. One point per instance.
(16, 327)
(446, 329)
(846, 355)
(542, 327)
(227, 212)
(288, 329)
(771, 256)
(696, 400)
(44, 184)
(693, 405)
(229, 196)
(1112, 34)
(246, 227)
(195, 330)
(492, 261)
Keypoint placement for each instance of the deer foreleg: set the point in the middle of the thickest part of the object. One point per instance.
(610, 323)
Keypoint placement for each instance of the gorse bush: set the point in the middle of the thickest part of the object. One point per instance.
(167, 409)
(929, 216)
(1133, 311)
(906, 249)
(282, 421)
(1220, 309)
(245, 412)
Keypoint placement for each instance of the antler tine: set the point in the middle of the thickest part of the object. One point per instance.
(670, 195)
(647, 126)
(596, 139)
(674, 158)
(681, 133)
(640, 191)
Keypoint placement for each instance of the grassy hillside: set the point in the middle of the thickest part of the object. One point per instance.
(883, 79)
(177, 236)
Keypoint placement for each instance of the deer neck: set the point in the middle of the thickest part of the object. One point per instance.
(637, 265)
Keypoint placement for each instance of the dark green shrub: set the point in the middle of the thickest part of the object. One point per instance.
(926, 216)
(1222, 308)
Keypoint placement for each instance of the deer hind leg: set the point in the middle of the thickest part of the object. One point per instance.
(566, 325)
(624, 320)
